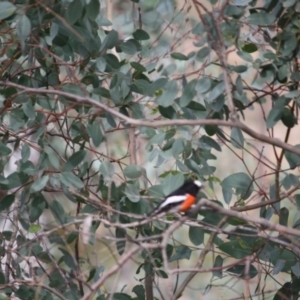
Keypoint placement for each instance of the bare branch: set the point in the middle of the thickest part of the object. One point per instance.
(155, 123)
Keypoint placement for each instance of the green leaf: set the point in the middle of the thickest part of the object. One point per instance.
(107, 170)
(14, 180)
(239, 69)
(161, 274)
(293, 159)
(52, 157)
(57, 211)
(101, 91)
(203, 85)
(169, 94)
(157, 138)
(39, 184)
(34, 228)
(285, 292)
(239, 85)
(245, 56)
(296, 271)
(273, 117)
(121, 234)
(4, 150)
(288, 3)
(280, 263)
(196, 106)
(237, 138)
(23, 29)
(167, 112)
(6, 202)
(249, 48)
(283, 216)
(129, 47)
(70, 180)
(172, 182)
(139, 290)
(74, 160)
(261, 18)
(235, 249)
(72, 237)
(25, 152)
(156, 191)
(138, 66)
(283, 260)
(6, 9)
(3, 281)
(289, 181)
(74, 11)
(92, 9)
(240, 182)
(288, 118)
(110, 40)
(196, 235)
(101, 64)
(117, 296)
(152, 18)
(95, 133)
(158, 84)
(218, 264)
(202, 53)
(216, 91)
(178, 147)
(112, 61)
(141, 86)
(188, 94)
(292, 94)
(179, 56)
(36, 207)
(192, 165)
(29, 110)
(182, 252)
(240, 271)
(134, 171)
(235, 11)
(211, 143)
(132, 192)
(141, 35)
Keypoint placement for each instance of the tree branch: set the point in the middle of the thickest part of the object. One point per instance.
(155, 123)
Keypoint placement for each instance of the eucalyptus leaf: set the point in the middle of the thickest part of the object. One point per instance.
(168, 95)
(261, 18)
(120, 234)
(6, 9)
(74, 11)
(6, 202)
(196, 235)
(74, 160)
(39, 184)
(107, 170)
(134, 171)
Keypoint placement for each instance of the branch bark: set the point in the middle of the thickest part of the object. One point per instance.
(154, 123)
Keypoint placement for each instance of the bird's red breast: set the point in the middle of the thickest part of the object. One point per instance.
(187, 204)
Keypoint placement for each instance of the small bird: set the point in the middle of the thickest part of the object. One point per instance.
(181, 200)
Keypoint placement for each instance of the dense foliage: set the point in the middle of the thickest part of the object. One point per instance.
(106, 107)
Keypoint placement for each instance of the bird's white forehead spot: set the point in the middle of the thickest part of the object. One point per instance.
(198, 183)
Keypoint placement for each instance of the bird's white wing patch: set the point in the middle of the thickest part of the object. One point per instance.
(173, 200)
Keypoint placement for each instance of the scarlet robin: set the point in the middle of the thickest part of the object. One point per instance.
(181, 200)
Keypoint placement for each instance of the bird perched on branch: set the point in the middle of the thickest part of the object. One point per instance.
(181, 200)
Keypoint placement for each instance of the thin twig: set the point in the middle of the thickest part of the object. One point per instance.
(164, 123)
